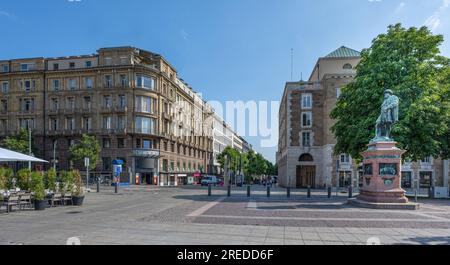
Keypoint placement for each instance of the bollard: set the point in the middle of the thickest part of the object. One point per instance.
(288, 192)
(268, 191)
(248, 191)
(350, 192)
(209, 190)
(229, 191)
(329, 192)
(116, 188)
(98, 185)
(309, 192)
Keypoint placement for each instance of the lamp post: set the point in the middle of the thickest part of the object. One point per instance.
(29, 143)
(54, 154)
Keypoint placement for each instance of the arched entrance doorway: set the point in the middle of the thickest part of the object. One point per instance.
(306, 173)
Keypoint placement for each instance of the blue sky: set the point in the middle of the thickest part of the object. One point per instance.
(227, 49)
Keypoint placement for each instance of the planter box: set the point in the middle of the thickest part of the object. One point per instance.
(77, 201)
(40, 205)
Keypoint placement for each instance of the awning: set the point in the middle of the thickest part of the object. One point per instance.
(11, 156)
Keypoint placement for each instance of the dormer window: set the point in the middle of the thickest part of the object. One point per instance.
(348, 66)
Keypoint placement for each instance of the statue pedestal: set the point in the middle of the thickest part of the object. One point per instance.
(382, 178)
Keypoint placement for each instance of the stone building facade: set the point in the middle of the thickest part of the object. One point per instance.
(305, 150)
(132, 100)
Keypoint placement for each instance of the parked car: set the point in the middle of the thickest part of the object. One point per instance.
(209, 180)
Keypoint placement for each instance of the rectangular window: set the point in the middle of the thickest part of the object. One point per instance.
(306, 101)
(56, 85)
(24, 67)
(425, 179)
(123, 80)
(123, 60)
(27, 85)
(368, 169)
(147, 144)
(345, 158)
(71, 103)
(121, 122)
(107, 123)
(145, 125)
(70, 123)
(145, 104)
(145, 82)
(108, 61)
(88, 64)
(426, 160)
(5, 87)
(106, 143)
(306, 139)
(122, 101)
(55, 66)
(307, 119)
(107, 101)
(54, 124)
(87, 123)
(55, 104)
(72, 65)
(87, 103)
(4, 105)
(89, 83)
(5, 68)
(338, 92)
(120, 143)
(106, 163)
(406, 179)
(108, 81)
(72, 84)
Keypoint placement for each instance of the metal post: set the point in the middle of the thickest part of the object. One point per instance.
(350, 191)
(116, 188)
(288, 192)
(416, 190)
(209, 189)
(29, 143)
(268, 190)
(248, 191)
(54, 154)
(87, 177)
(98, 184)
(329, 192)
(309, 192)
(229, 191)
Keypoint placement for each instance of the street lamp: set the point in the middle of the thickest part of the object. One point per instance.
(29, 142)
(54, 154)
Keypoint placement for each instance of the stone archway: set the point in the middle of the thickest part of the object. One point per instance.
(306, 174)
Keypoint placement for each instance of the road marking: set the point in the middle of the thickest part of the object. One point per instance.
(252, 205)
(205, 208)
(326, 219)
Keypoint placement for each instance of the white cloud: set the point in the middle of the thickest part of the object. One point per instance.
(7, 15)
(374, 0)
(400, 7)
(184, 34)
(434, 21)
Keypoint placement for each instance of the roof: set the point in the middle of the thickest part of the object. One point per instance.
(344, 52)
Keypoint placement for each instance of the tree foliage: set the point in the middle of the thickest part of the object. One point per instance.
(407, 61)
(19, 142)
(87, 147)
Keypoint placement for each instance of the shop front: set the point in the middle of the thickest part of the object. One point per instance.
(145, 166)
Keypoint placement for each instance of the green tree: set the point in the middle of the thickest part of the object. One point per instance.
(88, 146)
(407, 61)
(37, 185)
(19, 142)
(233, 155)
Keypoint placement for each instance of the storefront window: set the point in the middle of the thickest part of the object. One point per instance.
(406, 179)
(425, 179)
(368, 169)
(345, 178)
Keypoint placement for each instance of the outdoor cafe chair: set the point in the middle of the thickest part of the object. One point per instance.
(12, 200)
(67, 197)
(58, 198)
(25, 200)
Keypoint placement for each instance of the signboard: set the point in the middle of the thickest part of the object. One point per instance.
(86, 161)
(146, 153)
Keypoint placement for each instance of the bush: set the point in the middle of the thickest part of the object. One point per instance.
(37, 186)
(3, 179)
(23, 179)
(50, 180)
(78, 189)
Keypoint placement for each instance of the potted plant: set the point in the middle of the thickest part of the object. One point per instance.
(78, 193)
(23, 179)
(37, 186)
(50, 180)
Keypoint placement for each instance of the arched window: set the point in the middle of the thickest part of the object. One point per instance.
(306, 158)
(348, 66)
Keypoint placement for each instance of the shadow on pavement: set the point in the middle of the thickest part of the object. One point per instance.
(443, 240)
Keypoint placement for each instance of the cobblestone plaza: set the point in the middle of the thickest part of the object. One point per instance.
(187, 216)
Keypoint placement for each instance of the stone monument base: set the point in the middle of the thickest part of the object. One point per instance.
(383, 205)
